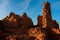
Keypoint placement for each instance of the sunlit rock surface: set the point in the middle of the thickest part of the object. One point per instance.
(16, 27)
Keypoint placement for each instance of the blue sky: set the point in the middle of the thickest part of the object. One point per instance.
(33, 8)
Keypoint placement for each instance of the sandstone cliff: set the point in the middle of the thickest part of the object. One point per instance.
(15, 27)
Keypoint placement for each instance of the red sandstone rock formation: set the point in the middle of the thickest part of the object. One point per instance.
(21, 27)
(39, 21)
(16, 24)
(26, 21)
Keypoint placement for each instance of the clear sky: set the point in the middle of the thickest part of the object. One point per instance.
(33, 8)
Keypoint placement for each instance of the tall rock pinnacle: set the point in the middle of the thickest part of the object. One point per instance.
(46, 15)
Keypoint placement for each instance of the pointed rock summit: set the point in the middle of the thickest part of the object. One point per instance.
(24, 15)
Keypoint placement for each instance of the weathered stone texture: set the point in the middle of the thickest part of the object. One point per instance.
(15, 27)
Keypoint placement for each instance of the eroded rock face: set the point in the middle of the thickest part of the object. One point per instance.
(21, 28)
(26, 21)
(16, 20)
(39, 21)
(38, 34)
(16, 24)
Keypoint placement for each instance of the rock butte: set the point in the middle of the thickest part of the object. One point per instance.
(15, 27)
